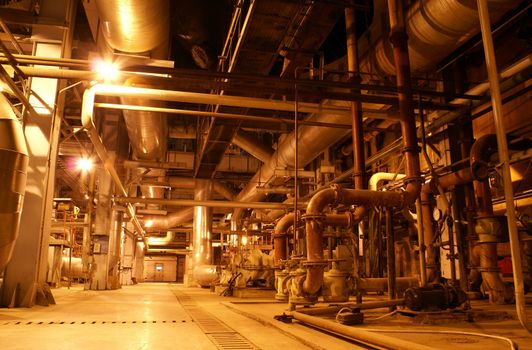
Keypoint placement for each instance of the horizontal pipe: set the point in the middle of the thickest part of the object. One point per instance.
(361, 306)
(377, 114)
(359, 334)
(207, 203)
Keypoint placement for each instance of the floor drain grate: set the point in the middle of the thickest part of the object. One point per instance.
(220, 334)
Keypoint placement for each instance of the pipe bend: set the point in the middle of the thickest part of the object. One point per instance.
(280, 238)
(481, 151)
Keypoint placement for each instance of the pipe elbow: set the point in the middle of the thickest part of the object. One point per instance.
(323, 198)
(481, 151)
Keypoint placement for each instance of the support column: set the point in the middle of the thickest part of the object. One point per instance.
(98, 270)
(25, 276)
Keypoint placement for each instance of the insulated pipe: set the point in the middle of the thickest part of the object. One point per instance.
(435, 29)
(13, 166)
(280, 238)
(162, 240)
(252, 146)
(208, 203)
(138, 27)
(202, 224)
(376, 180)
(174, 219)
(366, 336)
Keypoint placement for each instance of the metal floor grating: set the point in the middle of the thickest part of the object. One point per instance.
(221, 335)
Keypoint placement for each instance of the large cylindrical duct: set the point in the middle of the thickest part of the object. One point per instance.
(140, 27)
(13, 165)
(252, 146)
(435, 28)
(202, 225)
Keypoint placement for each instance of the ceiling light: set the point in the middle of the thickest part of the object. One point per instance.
(84, 164)
(107, 71)
(148, 223)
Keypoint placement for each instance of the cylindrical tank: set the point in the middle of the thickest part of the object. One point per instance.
(13, 165)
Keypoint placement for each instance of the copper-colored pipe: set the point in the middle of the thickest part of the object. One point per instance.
(480, 155)
(280, 238)
(481, 152)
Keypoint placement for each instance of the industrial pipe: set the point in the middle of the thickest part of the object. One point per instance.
(13, 167)
(280, 238)
(362, 335)
(252, 146)
(207, 203)
(481, 152)
(336, 195)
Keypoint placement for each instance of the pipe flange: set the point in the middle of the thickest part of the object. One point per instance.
(313, 217)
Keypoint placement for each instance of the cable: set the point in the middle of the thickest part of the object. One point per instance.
(512, 344)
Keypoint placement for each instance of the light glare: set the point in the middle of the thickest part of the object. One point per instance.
(84, 164)
(107, 71)
(148, 223)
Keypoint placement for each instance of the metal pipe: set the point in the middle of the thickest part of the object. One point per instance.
(357, 134)
(207, 203)
(202, 224)
(359, 334)
(368, 305)
(376, 180)
(390, 255)
(252, 146)
(481, 152)
(13, 168)
(432, 268)
(280, 238)
(174, 219)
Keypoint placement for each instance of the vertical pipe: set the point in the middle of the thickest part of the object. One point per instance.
(458, 228)
(496, 102)
(202, 225)
(450, 232)
(421, 241)
(359, 163)
(390, 255)
(87, 231)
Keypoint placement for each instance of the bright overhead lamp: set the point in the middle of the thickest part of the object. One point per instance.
(106, 70)
(84, 164)
(148, 223)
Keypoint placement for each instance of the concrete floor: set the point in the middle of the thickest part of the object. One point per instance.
(169, 316)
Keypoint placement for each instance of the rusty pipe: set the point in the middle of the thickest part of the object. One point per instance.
(280, 238)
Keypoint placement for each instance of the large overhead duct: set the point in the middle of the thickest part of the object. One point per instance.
(140, 28)
(13, 164)
(314, 140)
